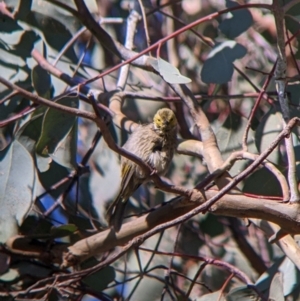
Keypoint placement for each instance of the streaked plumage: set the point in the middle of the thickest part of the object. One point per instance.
(155, 144)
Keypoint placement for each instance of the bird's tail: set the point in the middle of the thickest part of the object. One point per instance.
(115, 212)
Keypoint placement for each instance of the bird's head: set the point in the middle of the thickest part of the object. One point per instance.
(164, 121)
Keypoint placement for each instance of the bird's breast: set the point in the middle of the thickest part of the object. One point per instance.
(159, 160)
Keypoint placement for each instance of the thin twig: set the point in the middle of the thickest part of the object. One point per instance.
(43, 101)
(79, 33)
(145, 24)
(254, 109)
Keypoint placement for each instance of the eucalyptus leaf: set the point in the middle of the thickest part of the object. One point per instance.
(65, 153)
(55, 32)
(242, 293)
(41, 81)
(276, 289)
(237, 21)
(32, 269)
(218, 67)
(215, 296)
(268, 183)
(62, 231)
(170, 73)
(19, 43)
(43, 163)
(267, 131)
(99, 280)
(28, 135)
(105, 174)
(8, 24)
(9, 59)
(24, 47)
(264, 281)
(29, 226)
(17, 189)
(290, 275)
(53, 174)
(30, 132)
(56, 125)
(230, 136)
(10, 106)
(22, 8)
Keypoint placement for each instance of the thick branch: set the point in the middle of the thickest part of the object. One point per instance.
(285, 215)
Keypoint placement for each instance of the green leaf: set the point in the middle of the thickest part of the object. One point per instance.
(19, 43)
(242, 293)
(237, 22)
(99, 280)
(41, 81)
(170, 73)
(229, 137)
(30, 132)
(211, 225)
(10, 60)
(82, 222)
(264, 281)
(63, 231)
(51, 176)
(29, 227)
(267, 131)
(215, 296)
(218, 67)
(293, 10)
(268, 183)
(66, 151)
(276, 289)
(8, 24)
(26, 268)
(55, 32)
(10, 106)
(17, 188)
(23, 9)
(15, 48)
(290, 275)
(43, 163)
(294, 98)
(56, 126)
(24, 47)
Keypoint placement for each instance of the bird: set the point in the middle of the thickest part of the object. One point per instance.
(154, 143)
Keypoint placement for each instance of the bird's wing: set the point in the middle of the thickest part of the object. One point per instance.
(115, 212)
(127, 173)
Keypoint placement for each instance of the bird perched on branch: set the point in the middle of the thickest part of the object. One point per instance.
(155, 144)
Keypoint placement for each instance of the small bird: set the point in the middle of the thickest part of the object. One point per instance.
(155, 144)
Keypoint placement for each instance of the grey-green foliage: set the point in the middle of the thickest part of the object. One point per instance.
(48, 133)
(41, 150)
(18, 181)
